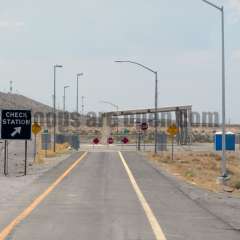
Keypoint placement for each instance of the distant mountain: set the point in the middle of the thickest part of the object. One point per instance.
(17, 101)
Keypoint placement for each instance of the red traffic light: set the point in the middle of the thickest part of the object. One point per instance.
(125, 140)
(96, 141)
(110, 140)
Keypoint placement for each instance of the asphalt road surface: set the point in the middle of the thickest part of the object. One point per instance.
(112, 196)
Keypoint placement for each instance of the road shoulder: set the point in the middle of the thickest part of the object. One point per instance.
(222, 205)
(18, 192)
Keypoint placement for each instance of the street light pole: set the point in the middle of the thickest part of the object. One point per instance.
(156, 98)
(115, 106)
(83, 105)
(78, 75)
(224, 168)
(54, 106)
(156, 114)
(64, 98)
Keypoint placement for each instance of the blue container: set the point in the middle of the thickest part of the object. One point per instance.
(230, 141)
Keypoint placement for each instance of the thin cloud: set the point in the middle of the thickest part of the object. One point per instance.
(11, 24)
(234, 11)
(235, 4)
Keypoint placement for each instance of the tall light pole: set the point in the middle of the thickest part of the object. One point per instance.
(224, 168)
(78, 75)
(54, 106)
(156, 96)
(64, 98)
(83, 104)
(113, 105)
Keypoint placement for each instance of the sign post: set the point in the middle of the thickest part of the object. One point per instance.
(36, 128)
(144, 128)
(138, 141)
(172, 131)
(16, 125)
(25, 165)
(5, 158)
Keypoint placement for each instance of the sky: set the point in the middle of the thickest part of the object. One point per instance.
(181, 39)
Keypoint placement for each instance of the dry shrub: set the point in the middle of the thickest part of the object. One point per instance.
(218, 157)
(232, 157)
(189, 174)
(212, 155)
(195, 160)
(184, 162)
(237, 185)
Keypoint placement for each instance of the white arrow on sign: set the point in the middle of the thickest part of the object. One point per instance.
(17, 131)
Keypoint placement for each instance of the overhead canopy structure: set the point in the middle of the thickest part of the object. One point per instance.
(183, 119)
(150, 110)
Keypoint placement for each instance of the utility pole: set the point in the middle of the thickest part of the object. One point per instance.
(54, 105)
(78, 75)
(155, 98)
(64, 98)
(83, 105)
(224, 168)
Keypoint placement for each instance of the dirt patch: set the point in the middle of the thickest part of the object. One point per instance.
(60, 149)
(201, 168)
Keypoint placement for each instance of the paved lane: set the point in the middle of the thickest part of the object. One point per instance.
(96, 201)
(180, 217)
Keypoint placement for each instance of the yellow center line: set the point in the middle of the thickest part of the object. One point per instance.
(25, 213)
(158, 232)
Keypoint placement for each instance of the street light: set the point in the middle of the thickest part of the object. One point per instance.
(78, 75)
(83, 104)
(54, 106)
(156, 95)
(224, 169)
(113, 105)
(64, 98)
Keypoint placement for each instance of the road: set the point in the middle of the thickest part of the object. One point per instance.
(111, 196)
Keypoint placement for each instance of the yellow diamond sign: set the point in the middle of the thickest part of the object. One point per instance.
(36, 128)
(172, 130)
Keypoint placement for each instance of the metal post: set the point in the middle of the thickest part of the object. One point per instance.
(156, 96)
(54, 107)
(5, 159)
(77, 94)
(25, 161)
(144, 143)
(64, 97)
(224, 169)
(82, 105)
(156, 114)
(139, 141)
(54, 112)
(35, 146)
(78, 75)
(117, 123)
